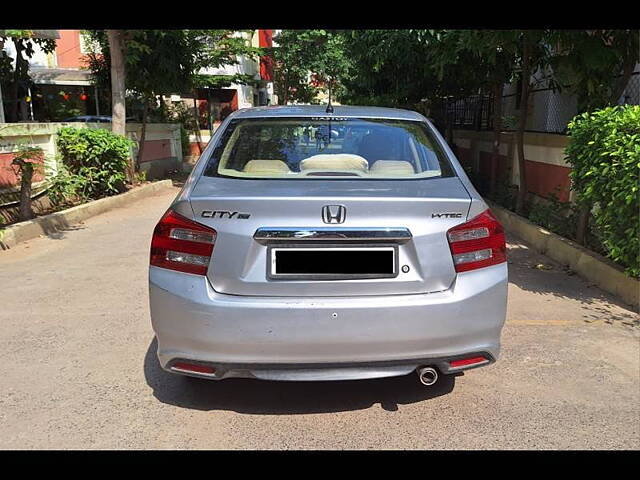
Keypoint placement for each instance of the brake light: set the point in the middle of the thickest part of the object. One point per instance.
(182, 244)
(478, 243)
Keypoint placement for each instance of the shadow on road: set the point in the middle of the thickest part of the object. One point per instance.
(539, 275)
(280, 398)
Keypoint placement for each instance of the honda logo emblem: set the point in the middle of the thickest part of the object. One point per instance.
(334, 214)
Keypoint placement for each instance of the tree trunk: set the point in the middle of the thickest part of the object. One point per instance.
(285, 93)
(118, 108)
(26, 212)
(14, 91)
(497, 128)
(524, 107)
(583, 224)
(143, 133)
(627, 70)
(449, 134)
(195, 113)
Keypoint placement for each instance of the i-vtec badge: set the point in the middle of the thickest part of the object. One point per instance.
(446, 215)
(224, 214)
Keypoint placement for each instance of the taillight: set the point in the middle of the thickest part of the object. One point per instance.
(182, 244)
(478, 243)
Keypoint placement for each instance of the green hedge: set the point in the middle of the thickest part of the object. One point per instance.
(94, 163)
(604, 151)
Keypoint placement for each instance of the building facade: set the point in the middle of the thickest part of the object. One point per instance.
(215, 104)
(62, 86)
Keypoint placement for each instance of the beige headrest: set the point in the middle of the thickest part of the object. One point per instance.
(334, 161)
(392, 167)
(266, 167)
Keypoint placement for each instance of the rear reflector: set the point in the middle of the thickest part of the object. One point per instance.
(478, 243)
(192, 367)
(182, 244)
(467, 361)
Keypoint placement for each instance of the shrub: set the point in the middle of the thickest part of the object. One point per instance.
(67, 189)
(604, 151)
(562, 218)
(554, 215)
(98, 156)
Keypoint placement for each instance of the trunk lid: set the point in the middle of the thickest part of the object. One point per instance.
(239, 264)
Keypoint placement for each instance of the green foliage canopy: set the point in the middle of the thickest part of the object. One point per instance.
(162, 62)
(303, 55)
(586, 62)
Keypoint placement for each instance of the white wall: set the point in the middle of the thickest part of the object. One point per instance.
(39, 58)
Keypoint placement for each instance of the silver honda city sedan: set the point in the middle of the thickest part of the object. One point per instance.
(308, 245)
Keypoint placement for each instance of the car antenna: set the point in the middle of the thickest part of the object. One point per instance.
(329, 106)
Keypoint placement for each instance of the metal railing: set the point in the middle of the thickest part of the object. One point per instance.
(550, 110)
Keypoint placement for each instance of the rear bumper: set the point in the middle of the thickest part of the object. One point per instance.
(325, 338)
(323, 372)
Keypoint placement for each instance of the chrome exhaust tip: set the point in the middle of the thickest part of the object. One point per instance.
(428, 375)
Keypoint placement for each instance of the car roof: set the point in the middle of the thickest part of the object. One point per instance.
(321, 111)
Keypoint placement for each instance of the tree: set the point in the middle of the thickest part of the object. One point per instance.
(214, 48)
(389, 67)
(414, 69)
(162, 62)
(535, 55)
(27, 161)
(402, 67)
(306, 62)
(16, 78)
(291, 64)
(118, 72)
(594, 65)
(330, 64)
(493, 54)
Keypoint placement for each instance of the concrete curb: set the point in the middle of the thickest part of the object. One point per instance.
(47, 224)
(589, 265)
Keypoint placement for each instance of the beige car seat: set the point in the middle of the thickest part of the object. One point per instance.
(335, 161)
(266, 167)
(392, 168)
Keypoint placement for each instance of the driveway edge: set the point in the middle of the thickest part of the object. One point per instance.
(589, 265)
(54, 222)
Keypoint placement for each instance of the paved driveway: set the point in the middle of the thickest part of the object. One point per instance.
(79, 367)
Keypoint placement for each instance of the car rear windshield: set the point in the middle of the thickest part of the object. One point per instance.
(307, 148)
